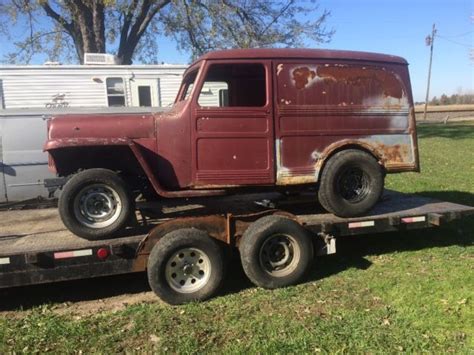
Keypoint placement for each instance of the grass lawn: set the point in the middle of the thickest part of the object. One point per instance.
(408, 292)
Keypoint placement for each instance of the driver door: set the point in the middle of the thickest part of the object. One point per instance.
(233, 134)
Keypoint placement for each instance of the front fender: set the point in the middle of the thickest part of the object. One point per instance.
(58, 143)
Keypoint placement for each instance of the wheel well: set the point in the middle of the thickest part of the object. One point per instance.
(116, 158)
(347, 147)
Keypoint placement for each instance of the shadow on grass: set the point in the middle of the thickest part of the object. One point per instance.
(452, 131)
(352, 252)
(461, 197)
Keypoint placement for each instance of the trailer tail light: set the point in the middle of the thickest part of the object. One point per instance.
(362, 224)
(72, 254)
(414, 219)
(103, 253)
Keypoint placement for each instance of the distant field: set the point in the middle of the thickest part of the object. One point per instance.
(408, 292)
(445, 108)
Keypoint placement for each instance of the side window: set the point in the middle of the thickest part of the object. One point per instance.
(187, 85)
(234, 85)
(115, 92)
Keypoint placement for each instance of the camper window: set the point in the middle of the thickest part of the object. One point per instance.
(2, 104)
(115, 92)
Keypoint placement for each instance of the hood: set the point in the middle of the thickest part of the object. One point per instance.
(131, 126)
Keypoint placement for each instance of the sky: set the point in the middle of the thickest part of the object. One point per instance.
(396, 27)
(399, 27)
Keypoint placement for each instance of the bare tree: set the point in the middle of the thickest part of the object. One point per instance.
(66, 29)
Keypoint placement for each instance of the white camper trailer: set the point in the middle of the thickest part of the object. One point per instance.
(30, 94)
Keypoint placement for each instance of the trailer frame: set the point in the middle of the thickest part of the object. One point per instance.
(44, 257)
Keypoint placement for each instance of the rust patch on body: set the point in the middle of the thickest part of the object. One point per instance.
(397, 153)
(302, 77)
(362, 76)
(296, 180)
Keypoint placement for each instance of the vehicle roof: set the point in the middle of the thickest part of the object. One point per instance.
(300, 53)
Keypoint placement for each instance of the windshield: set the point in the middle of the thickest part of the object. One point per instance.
(187, 85)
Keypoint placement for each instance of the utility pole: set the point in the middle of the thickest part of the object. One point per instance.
(429, 42)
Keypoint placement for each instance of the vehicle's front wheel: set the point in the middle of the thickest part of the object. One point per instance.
(95, 204)
(186, 265)
(351, 183)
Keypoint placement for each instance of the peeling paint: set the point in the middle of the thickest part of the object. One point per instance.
(315, 156)
(279, 68)
(385, 86)
(296, 179)
(285, 176)
(389, 82)
(303, 77)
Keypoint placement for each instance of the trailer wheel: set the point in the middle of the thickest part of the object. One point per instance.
(351, 183)
(275, 252)
(95, 204)
(186, 265)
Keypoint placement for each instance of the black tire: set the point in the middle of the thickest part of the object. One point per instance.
(89, 193)
(351, 183)
(206, 266)
(289, 244)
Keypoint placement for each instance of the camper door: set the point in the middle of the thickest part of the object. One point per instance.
(145, 92)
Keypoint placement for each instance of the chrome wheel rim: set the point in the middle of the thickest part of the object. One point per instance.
(188, 270)
(97, 206)
(279, 255)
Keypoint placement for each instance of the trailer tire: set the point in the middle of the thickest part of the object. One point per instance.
(352, 182)
(95, 204)
(186, 265)
(276, 252)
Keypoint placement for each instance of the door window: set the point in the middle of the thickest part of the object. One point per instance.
(144, 96)
(234, 85)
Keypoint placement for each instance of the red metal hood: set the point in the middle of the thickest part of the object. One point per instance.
(127, 126)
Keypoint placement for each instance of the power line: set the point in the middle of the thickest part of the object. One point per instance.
(455, 42)
(460, 35)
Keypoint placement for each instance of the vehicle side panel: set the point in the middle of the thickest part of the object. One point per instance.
(323, 106)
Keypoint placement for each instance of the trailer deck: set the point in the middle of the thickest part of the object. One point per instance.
(35, 247)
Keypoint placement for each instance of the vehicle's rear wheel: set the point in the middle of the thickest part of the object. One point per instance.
(95, 204)
(275, 252)
(351, 183)
(186, 265)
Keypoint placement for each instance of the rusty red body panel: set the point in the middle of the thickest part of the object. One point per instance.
(316, 102)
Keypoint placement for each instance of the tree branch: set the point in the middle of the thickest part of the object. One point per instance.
(57, 17)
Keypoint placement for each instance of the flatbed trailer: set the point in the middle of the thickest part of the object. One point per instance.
(36, 248)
